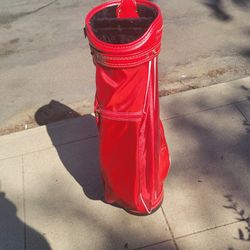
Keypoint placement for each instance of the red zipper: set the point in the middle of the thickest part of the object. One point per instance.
(119, 116)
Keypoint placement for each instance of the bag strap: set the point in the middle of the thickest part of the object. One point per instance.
(127, 9)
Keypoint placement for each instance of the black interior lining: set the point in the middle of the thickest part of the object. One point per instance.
(114, 30)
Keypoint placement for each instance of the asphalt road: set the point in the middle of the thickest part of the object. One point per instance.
(44, 56)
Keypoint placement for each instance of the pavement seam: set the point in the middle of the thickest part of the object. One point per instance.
(24, 208)
(50, 147)
(169, 228)
(238, 109)
(11, 157)
(151, 245)
(203, 110)
(206, 230)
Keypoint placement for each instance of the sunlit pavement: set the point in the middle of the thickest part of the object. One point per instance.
(44, 55)
(50, 186)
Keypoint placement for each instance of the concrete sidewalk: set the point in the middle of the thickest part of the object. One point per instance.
(51, 189)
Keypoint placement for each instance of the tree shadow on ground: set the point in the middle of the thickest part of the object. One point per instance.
(210, 147)
(218, 8)
(76, 143)
(247, 124)
(244, 233)
(246, 51)
(15, 234)
(245, 4)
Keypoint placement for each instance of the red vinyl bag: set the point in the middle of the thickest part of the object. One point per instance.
(125, 39)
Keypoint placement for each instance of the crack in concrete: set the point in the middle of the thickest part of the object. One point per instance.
(9, 18)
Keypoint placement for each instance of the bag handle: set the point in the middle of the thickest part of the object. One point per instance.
(127, 9)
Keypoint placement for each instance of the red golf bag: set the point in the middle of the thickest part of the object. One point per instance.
(125, 39)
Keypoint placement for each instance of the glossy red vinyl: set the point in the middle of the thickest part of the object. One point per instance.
(133, 151)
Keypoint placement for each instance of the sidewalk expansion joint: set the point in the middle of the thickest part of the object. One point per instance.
(206, 230)
(203, 110)
(49, 147)
(169, 228)
(75, 141)
(11, 157)
(152, 245)
(238, 109)
(24, 208)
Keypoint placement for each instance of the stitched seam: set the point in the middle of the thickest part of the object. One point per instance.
(129, 57)
(125, 64)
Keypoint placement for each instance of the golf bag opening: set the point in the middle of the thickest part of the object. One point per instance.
(110, 29)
